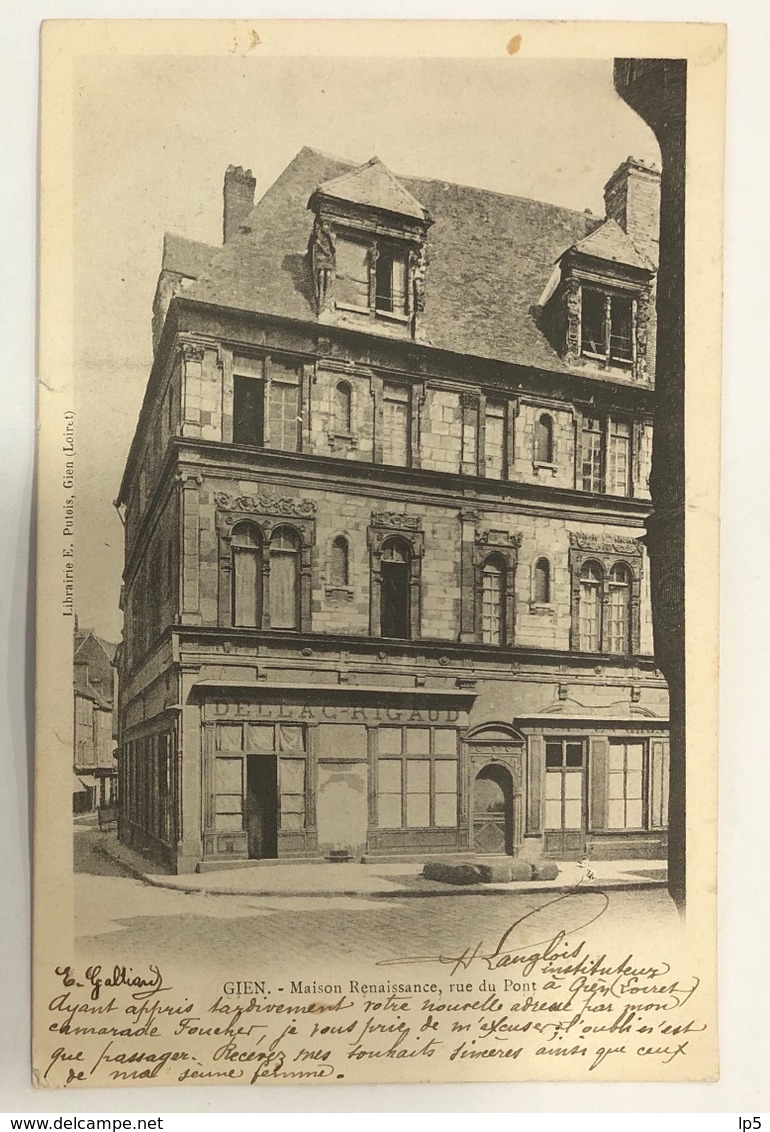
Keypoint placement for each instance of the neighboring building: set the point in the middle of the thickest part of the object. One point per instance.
(95, 764)
(386, 591)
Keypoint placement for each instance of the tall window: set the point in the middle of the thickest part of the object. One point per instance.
(352, 270)
(544, 439)
(417, 777)
(248, 410)
(621, 329)
(607, 326)
(391, 281)
(342, 407)
(284, 579)
(493, 602)
(618, 457)
(339, 570)
(395, 425)
(605, 613)
(592, 322)
(284, 407)
(246, 574)
(619, 609)
(470, 437)
(541, 582)
(592, 454)
(606, 455)
(494, 440)
(591, 607)
(394, 598)
(625, 794)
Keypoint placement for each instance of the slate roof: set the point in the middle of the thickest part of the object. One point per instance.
(489, 257)
(185, 257)
(374, 184)
(81, 637)
(87, 691)
(93, 658)
(609, 241)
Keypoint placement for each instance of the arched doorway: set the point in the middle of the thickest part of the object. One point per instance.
(493, 810)
(494, 753)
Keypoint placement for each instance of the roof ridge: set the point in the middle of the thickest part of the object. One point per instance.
(503, 196)
(444, 181)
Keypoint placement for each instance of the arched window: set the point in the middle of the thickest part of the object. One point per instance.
(493, 601)
(343, 397)
(591, 607)
(394, 599)
(619, 609)
(544, 439)
(284, 579)
(541, 582)
(246, 574)
(339, 567)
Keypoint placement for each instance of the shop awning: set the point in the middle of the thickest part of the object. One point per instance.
(83, 782)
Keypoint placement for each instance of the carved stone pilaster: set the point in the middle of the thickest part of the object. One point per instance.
(418, 267)
(641, 322)
(572, 313)
(189, 541)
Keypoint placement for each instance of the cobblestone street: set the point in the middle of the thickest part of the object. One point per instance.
(120, 915)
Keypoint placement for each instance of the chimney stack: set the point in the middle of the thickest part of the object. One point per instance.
(632, 198)
(239, 190)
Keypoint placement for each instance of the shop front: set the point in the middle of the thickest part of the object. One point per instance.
(332, 772)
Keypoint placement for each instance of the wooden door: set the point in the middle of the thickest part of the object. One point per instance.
(493, 811)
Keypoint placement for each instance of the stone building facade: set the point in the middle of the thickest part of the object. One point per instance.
(386, 591)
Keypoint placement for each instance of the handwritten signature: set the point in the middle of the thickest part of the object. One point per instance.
(576, 911)
(142, 986)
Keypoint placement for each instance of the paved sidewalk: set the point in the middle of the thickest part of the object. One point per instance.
(380, 880)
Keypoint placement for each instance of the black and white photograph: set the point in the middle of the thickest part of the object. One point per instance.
(364, 525)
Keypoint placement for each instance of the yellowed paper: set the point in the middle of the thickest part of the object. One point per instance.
(356, 759)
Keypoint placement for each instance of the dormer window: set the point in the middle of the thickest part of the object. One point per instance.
(598, 304)
(351, 284)
(371, 277)
(391, 294)
(367, 250)
(606, 327)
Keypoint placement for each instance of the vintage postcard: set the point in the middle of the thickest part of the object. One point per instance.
(378, 495)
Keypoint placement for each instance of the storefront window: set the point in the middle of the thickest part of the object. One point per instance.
(416, 788)
(417, 793)
(228, 784)
(291, 737)
(260, 737)
(389, 793)
(625, 792)
(292, 785)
